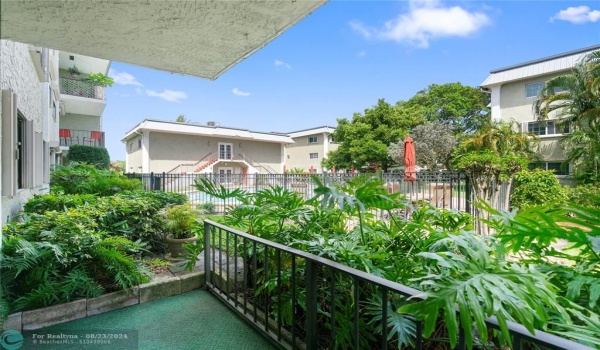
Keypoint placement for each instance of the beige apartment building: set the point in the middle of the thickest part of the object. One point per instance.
(513, 91)
(309, 148)
(172, 147)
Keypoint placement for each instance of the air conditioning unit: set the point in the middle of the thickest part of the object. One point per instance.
(212, 123)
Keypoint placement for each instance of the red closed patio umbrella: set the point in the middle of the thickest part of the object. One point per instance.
(410, 160)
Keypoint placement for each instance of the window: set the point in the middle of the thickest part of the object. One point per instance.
(313, 139)
(130, 146)
(533, 89)
(20, 152)
(546, 128)
(225, 151)
(314, 155)
(558, 167)
(140, 144)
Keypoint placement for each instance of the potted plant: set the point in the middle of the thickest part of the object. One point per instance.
(178, 223)
(74, 71)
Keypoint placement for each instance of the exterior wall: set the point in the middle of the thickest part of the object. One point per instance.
(81, 122)
(513, 104)
(513, 101)
(18, 74)
(298, 153)
(166, 151)
(133, 157)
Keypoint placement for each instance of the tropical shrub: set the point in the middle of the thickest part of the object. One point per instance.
(585, 195)
(59, 256)
(513, 275)
(178, 220)
(82, 178)
(96, 156)
(207, 208)
(536, 187)
(57, 202)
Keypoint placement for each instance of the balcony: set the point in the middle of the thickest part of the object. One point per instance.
(70, 137)
(82, 97)
(82, 88)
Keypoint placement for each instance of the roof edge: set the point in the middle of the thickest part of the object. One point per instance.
(548, 58)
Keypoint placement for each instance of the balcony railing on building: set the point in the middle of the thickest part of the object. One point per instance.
(82, 88)
(70, 137)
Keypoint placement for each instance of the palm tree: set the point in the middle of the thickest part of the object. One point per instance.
(574, 100)
(492, 157)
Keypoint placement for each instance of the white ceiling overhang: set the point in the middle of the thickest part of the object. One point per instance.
(199, 38)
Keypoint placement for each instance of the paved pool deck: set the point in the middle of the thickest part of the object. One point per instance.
(191, 321)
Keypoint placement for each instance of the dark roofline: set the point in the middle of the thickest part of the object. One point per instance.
(565, 54)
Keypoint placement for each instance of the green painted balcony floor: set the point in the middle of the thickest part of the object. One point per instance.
(191, 321)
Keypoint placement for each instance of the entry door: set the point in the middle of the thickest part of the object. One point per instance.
(226, 151)
(225, 175)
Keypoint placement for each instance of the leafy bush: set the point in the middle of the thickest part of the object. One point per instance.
(96, 156)
(207, 208)
(57, 202)
(536, 187)
(179, 219)
(585, 195)
(60, 256)
(82, 178)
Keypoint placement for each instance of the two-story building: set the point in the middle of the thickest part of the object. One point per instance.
(513, 91)
(309, 148)
(172, 147)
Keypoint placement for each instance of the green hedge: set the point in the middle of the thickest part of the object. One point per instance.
(97, 156)
(78, 178)
(536, 187)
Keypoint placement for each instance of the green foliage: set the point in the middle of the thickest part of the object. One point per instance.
(60, 256)
(463, 108)
(97, 156)
(469, 271)
(434, 143)
(513, 276)
(99, 79)
(366, 137)
(57, 202)
(536, 187)
(179, 219)
(87, 179)
(584, 195)
(206, 208)
(576, 105)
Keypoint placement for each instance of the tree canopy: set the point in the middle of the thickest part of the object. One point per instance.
(464, 108)
(434, 143)
(365, 139)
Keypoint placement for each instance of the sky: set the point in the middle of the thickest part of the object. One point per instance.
(348, 54)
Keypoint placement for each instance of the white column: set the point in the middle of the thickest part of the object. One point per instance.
(495, 102)
(145, 151)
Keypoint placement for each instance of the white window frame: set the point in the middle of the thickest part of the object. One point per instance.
(540, 89)
(313, 155)
(225, 144)
(311, 138)
(556, 129)
(545, 167)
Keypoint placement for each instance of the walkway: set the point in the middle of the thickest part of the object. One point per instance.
(191, 321)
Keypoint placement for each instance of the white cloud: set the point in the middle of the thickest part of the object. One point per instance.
(577, 15)
(168, 95)
(139, 91)
(123, 78)
(424, 21)
(279, 63)
(239, 92)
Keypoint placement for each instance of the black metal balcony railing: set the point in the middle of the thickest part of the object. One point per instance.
(82, 88)
(70, 137)
(303, 301)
